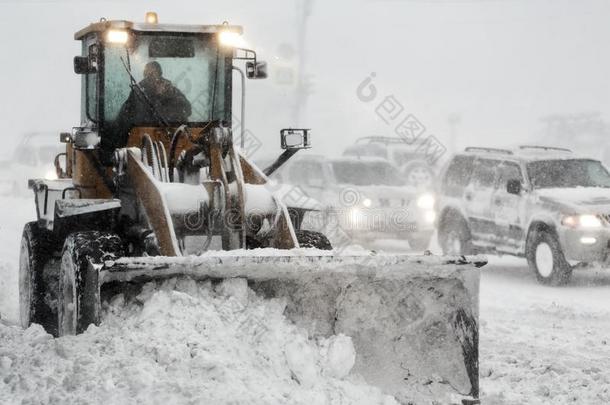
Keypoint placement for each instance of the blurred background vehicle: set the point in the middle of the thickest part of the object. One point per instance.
(367, 197)
(32, 158)
(410, 159)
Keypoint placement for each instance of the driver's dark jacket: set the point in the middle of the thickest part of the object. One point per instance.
(169, 103)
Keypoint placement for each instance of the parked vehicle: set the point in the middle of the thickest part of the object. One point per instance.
(546, 204)
(368, 197)
(411, 161)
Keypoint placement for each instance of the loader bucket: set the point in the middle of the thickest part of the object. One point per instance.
(413, 319)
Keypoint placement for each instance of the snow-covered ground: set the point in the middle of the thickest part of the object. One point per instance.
(544, 345)
(539, 345)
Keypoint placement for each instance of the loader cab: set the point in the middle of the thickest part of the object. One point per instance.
(112, 64)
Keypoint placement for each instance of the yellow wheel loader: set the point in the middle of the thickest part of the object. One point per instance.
(152, 185)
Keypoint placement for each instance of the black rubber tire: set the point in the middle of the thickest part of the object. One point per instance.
(36, 250)
(455, 227)
(312, 239)
(561, 272)
(79, 288)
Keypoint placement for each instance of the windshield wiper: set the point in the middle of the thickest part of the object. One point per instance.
(134, 85)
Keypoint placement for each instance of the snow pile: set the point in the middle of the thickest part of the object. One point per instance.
(183, 342)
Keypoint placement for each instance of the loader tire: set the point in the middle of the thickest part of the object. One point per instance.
(36, 250)
(545, 257)
(312, 239)
(79, 296)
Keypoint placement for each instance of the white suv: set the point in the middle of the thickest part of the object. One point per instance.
(543, 203)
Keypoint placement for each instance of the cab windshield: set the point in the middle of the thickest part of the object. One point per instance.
(568, 173)
(191, 78)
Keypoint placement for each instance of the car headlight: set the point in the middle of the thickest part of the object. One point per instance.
(582, 221)
(366, 202)
(426, 201)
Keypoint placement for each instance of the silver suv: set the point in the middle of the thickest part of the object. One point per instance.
(543, 203)
(367, 197)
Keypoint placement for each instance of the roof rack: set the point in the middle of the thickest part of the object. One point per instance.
(489, 150)
(553, 148)
(381, 139)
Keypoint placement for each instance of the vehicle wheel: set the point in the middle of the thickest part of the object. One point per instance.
(418, 174)
(36, 250)
(419, 243)
(545, 257)
(79, 295)
(311, 239)
(454, 237)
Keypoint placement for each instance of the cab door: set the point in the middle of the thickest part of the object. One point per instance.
(508, 208)
(477, 201)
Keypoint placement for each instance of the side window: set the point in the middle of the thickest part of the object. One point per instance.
(89, 84)
(458, 174)
(508, 171)
(484, 174)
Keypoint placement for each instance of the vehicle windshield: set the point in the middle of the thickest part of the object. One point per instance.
(367, 174)
(189, 86)
(568, 173)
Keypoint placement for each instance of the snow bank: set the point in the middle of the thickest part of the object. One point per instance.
(183, 342)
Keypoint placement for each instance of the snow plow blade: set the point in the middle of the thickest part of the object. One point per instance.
(413, 319)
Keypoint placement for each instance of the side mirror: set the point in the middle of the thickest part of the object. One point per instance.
(513, 186)
(295, 138)
(83, 65)
(256, 70)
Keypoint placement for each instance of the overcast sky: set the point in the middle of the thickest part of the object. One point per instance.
(499, 65)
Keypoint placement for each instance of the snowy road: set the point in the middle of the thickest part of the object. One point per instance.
(544, 345)
(539, 345)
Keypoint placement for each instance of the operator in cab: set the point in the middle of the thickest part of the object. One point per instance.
(161, 101)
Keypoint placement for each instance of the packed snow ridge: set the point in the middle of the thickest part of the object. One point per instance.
(183, 342)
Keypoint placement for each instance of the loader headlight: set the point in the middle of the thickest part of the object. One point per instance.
(231, 39)
(51, 175)
(426, 201)
(582, 221)
(151, 17)
(117, 37)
